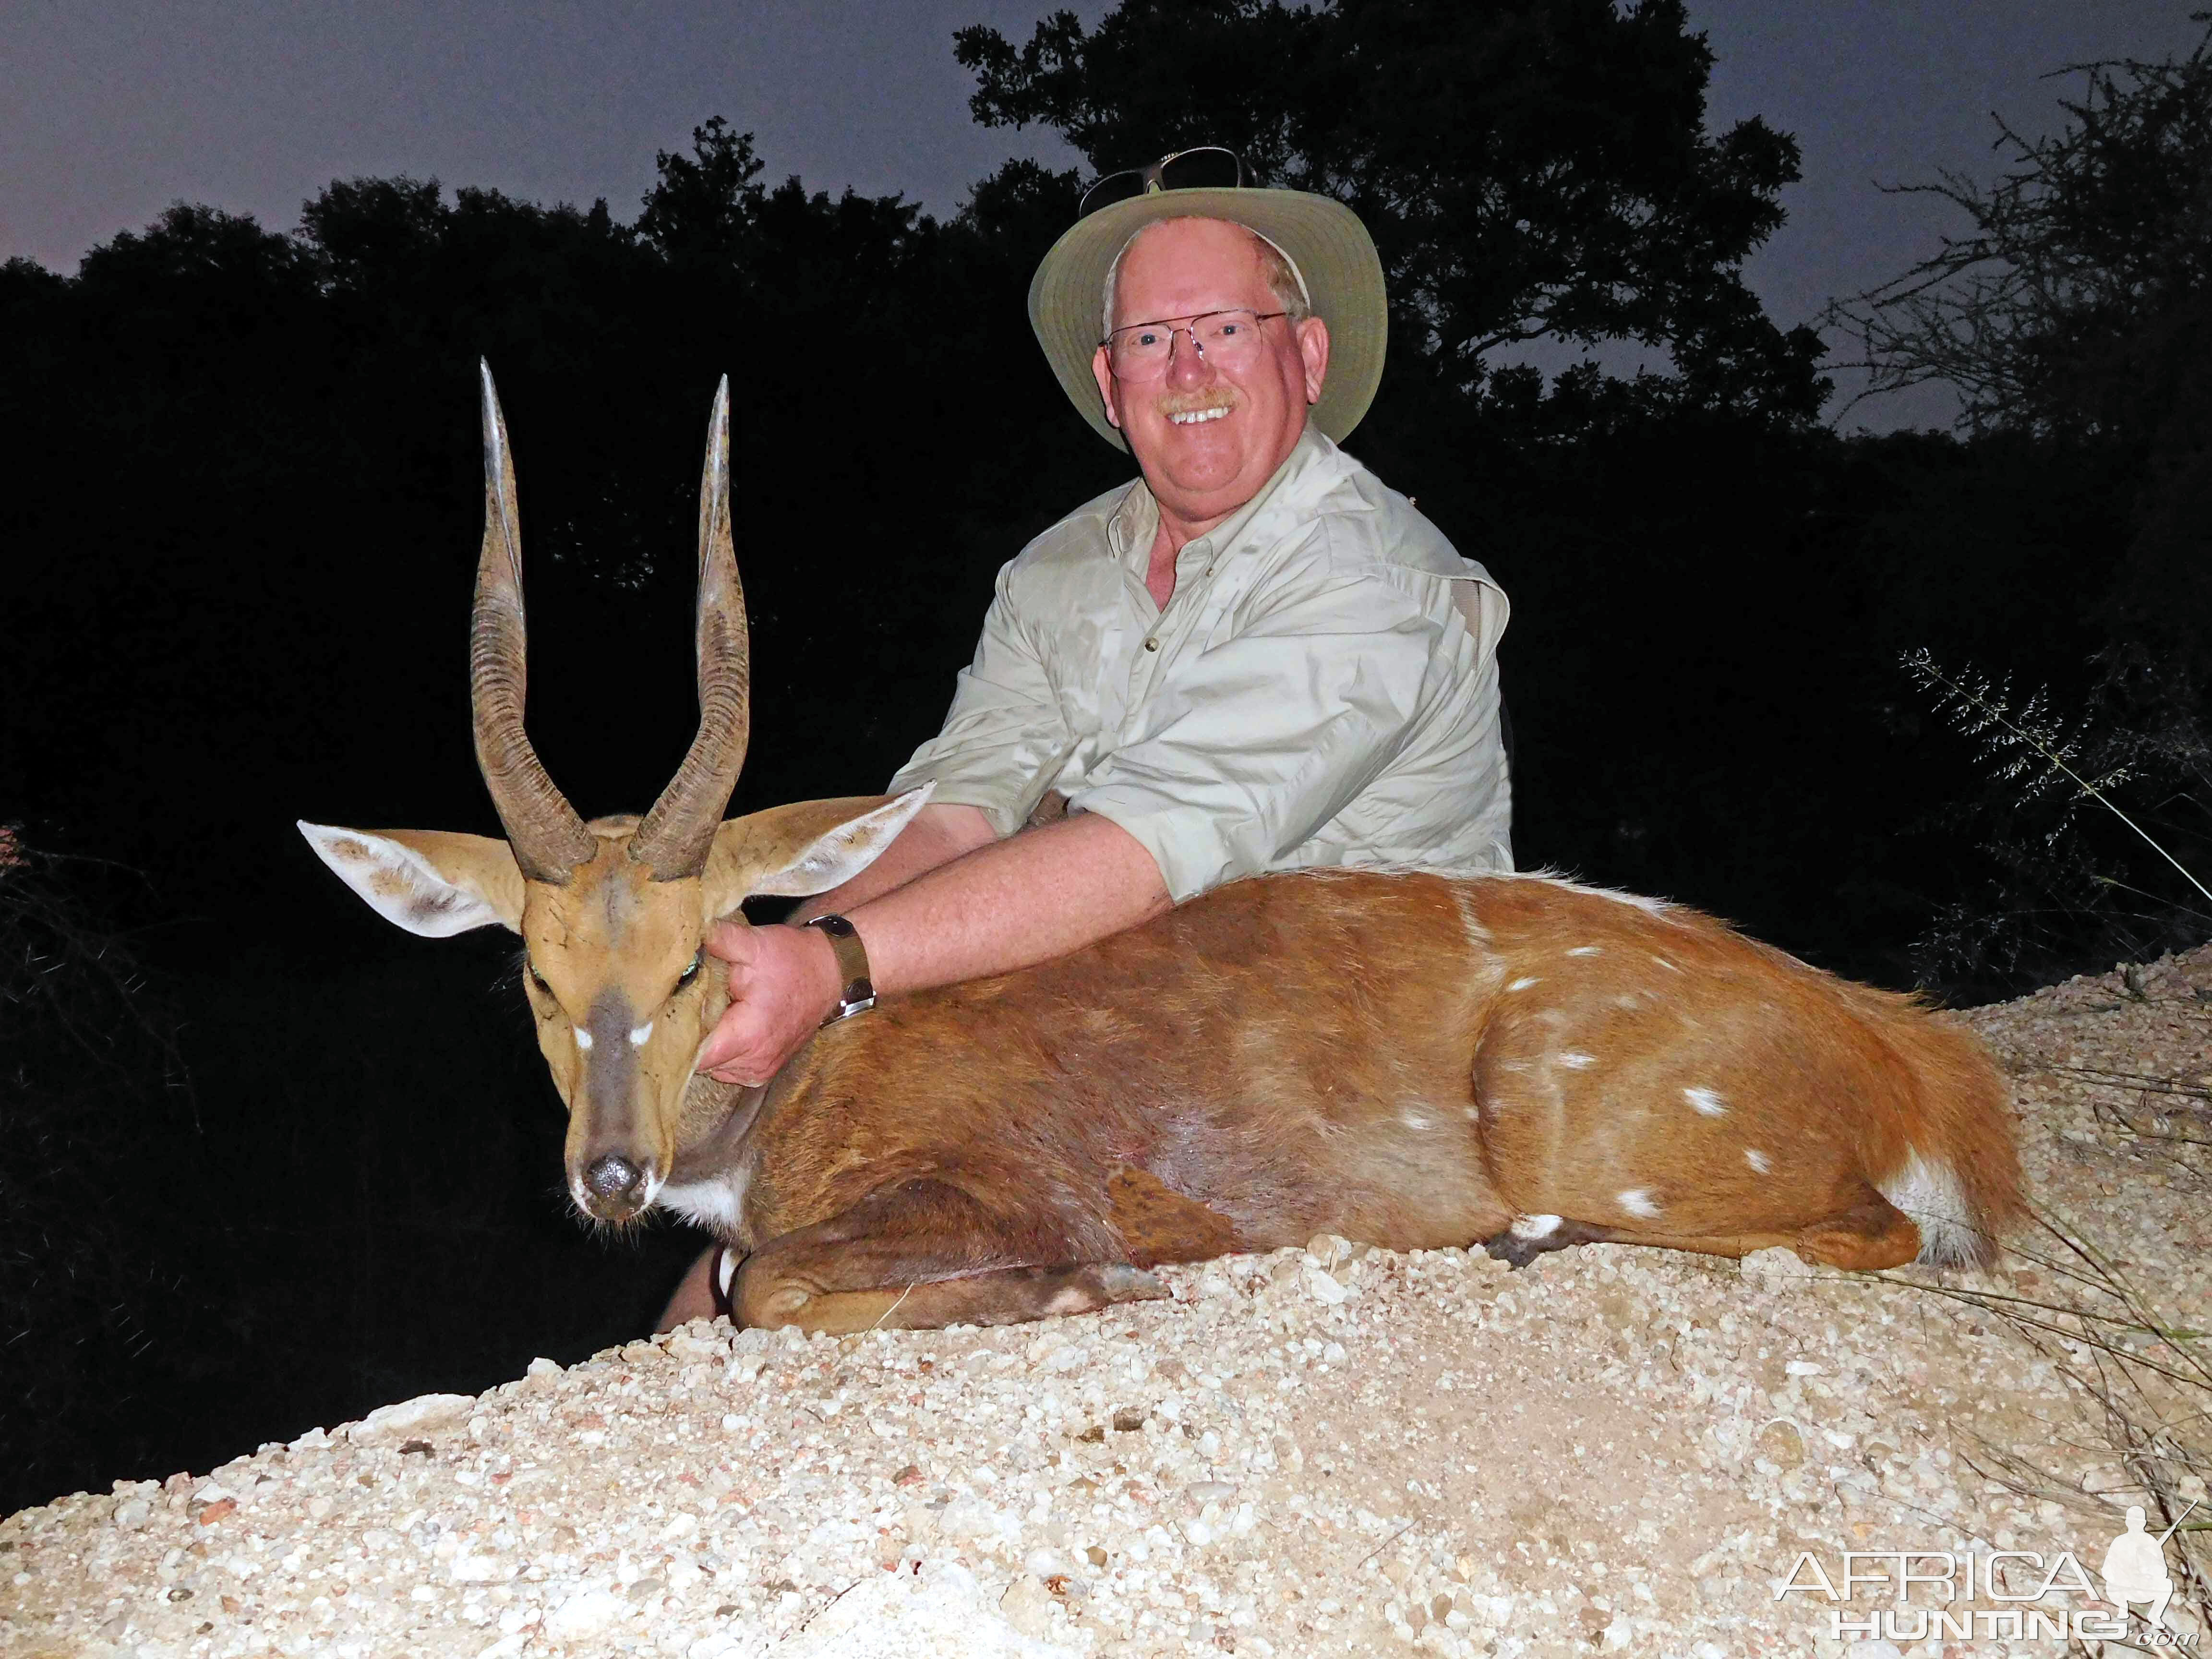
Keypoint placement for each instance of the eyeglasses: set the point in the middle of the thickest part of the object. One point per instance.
(1229, 340)
(1205, 166)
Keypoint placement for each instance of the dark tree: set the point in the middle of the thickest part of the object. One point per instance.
(2075, 306)
(2072, 313)
(1530, 169)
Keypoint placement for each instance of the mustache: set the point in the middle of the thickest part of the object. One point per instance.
(1193, 402)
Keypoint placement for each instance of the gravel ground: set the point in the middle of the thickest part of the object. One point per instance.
(1324, 1451)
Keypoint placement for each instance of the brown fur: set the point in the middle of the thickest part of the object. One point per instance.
(1340, 1053)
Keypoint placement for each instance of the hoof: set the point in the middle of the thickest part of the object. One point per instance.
(1120, 1282)
(1516, 1252)
(1533, 1236)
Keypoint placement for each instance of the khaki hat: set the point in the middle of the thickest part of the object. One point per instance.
(1323, 240)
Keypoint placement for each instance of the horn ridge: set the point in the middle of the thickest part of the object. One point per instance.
(675, 835)
(548, 837)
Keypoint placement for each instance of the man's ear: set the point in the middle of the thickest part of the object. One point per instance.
(1313, 353)
(808, 847)
(1102, 371)
(425, 880)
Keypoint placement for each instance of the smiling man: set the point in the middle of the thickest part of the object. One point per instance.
(1254, 657)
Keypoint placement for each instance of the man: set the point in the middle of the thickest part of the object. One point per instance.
(1254, 657)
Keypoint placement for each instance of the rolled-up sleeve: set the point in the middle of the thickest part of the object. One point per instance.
(1005, 738)
(1270, 733)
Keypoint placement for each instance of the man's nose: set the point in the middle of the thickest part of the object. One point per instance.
(1187, 364)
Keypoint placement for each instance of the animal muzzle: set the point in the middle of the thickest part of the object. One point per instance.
(612, 1174)
(613, 1187)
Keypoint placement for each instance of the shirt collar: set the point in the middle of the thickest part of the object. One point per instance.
(1136, 520)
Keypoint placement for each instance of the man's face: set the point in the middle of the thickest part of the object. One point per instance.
(1206, 439)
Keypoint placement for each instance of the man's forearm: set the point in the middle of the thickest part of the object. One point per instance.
(1011, 903)
(937, 835)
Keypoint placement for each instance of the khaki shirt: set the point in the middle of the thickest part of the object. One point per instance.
(1321, 690)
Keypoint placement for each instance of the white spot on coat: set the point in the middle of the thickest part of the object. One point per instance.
(1587, 950)
(1668, 965)
(1638, 1201)
(1413, 1120)
(638, 1038)
(1534, 1226)
(1757, 1159)
(1705, 1101)
(1575, 1062)
(1524, 982)
(583, 1039)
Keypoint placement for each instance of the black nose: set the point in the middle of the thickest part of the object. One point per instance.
(613, 1177)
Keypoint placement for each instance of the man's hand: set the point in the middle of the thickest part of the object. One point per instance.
(783, 982)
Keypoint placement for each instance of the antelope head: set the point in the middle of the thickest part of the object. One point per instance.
(612, 913)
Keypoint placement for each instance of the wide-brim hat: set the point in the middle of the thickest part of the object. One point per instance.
(1322, 239)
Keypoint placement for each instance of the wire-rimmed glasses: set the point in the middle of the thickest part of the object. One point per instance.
(1229, 340)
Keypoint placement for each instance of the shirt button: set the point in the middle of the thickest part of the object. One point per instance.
(1151, 645)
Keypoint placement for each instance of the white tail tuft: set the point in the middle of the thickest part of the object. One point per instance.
(1932, 1199)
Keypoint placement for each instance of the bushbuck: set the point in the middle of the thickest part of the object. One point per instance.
(1408, 1059)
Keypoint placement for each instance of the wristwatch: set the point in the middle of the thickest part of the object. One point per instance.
(859, 992)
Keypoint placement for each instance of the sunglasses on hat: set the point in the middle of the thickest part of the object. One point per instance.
(1208, 166)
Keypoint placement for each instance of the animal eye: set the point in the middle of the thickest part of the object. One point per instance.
(692, 972)
(536, 978)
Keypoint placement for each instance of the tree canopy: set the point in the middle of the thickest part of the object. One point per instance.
(1530, 169)
(2074, 307)
(2076, 300)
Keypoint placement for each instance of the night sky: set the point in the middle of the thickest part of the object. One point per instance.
(117, 107)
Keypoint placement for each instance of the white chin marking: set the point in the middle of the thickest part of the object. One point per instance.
(717, 1203)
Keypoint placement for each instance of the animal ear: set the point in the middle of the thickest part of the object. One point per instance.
(808, 847)
(424, 880)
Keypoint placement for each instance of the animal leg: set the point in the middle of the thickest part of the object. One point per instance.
(921, 1256)
(1873, 1233)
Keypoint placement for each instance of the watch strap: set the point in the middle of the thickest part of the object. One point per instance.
(857, 989)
